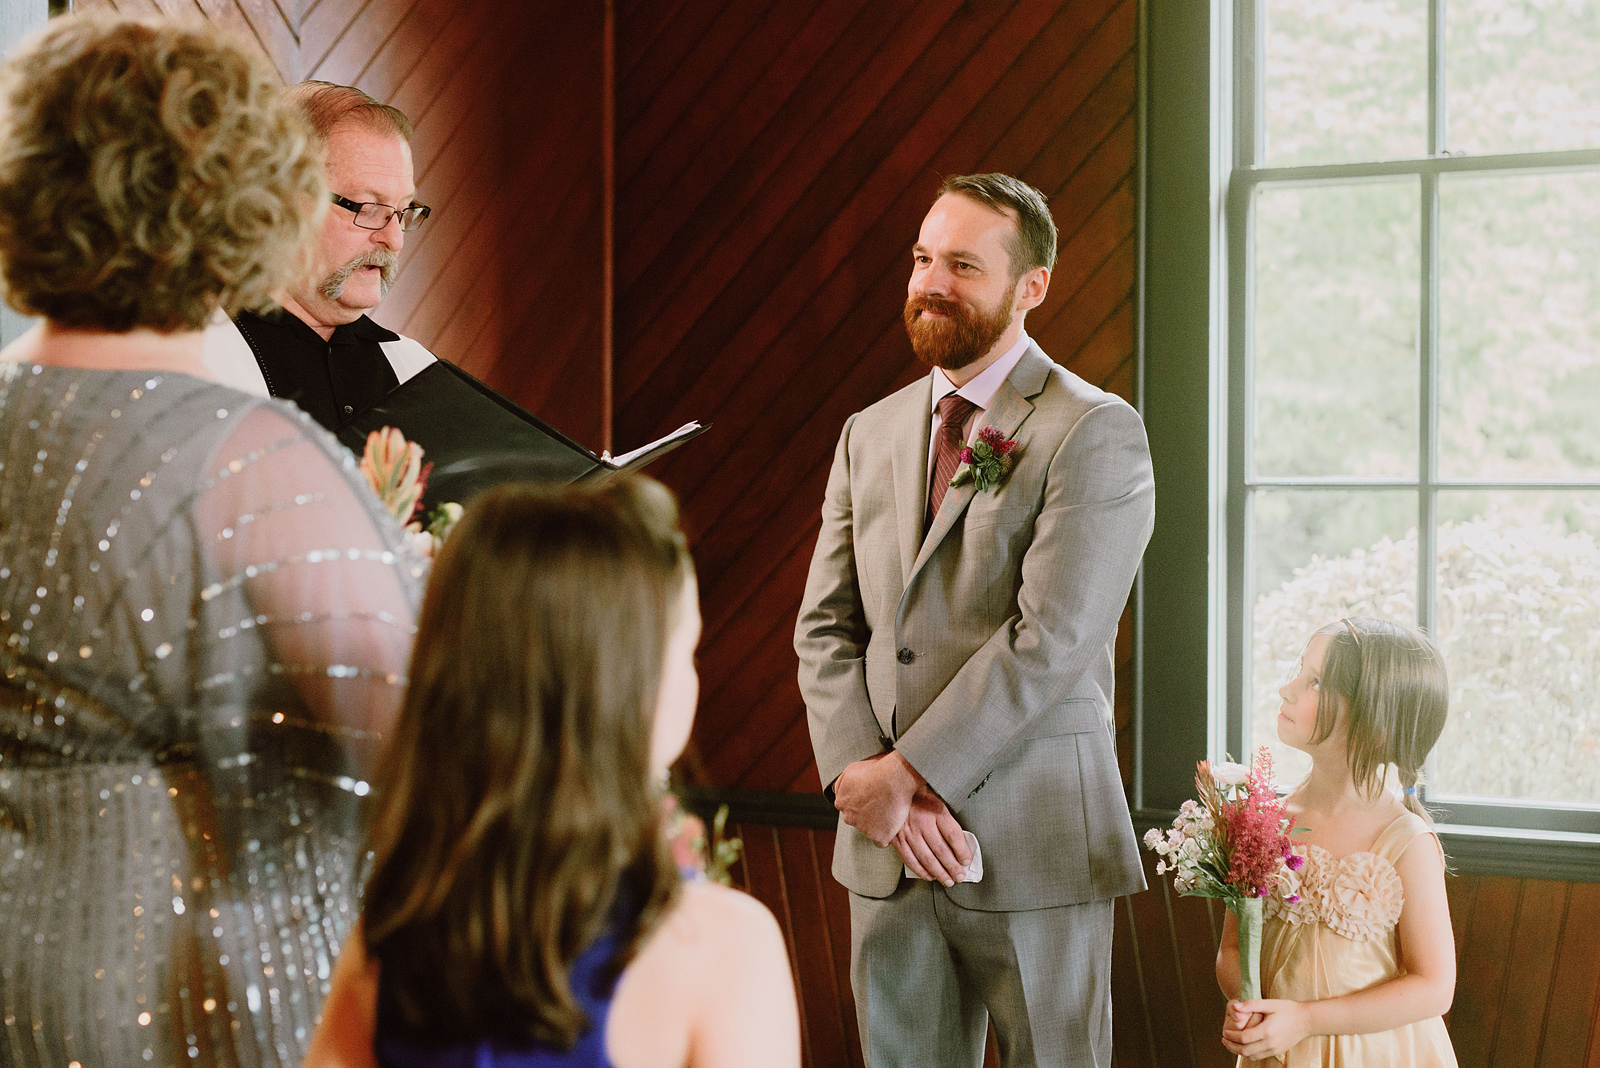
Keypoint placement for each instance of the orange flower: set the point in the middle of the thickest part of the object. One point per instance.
(394, 469)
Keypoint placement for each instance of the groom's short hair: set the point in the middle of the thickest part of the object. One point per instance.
(1034, 243)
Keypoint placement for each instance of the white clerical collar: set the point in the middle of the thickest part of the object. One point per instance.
(981, 390)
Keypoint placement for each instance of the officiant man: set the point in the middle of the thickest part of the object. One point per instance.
(956, 645)
(319, 349)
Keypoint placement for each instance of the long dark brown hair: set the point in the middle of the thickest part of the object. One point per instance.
(1392, 683)
(515, 803)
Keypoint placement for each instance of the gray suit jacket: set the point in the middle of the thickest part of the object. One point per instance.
(983, 651)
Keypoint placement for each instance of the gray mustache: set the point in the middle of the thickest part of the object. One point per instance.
(388, 265)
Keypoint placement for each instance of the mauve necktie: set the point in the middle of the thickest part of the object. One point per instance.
(953, 412)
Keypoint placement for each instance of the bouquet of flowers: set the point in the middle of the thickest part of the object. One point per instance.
(1233, 845)
(394, 469)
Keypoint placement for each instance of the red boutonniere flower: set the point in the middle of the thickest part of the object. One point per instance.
(986, 462)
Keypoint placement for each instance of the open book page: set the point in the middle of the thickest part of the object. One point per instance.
(644, 454)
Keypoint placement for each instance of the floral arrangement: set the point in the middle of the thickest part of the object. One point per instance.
(697, 856)
(394, 469)
(987, 461)
(1233, 845)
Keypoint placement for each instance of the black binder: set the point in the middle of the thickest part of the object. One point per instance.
(477, 438)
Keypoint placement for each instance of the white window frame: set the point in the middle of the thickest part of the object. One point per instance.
(1557, 839)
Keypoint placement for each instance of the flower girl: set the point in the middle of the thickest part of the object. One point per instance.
(1358, 958)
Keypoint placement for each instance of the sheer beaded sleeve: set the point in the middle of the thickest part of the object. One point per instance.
(307, 562)
(205, 619)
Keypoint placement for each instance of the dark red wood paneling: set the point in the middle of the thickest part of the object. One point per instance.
(505, 278)
(774, 163)
(271, 26)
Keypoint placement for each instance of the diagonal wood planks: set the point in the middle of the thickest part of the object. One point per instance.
(774, 164)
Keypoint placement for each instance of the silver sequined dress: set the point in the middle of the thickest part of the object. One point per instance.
(205, 619)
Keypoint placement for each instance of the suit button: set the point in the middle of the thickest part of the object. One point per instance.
(349, 409)
(905, 656)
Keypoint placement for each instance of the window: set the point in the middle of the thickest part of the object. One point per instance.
(1413, 396)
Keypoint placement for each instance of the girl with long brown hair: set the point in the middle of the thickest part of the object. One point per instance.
(523, 909)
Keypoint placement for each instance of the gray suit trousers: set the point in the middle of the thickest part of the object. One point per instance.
(928, 974)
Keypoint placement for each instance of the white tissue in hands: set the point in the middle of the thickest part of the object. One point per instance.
(974, 870)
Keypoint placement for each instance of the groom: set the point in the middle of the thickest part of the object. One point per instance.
(956, 646)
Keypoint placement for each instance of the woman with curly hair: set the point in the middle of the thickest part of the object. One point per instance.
(205, 616)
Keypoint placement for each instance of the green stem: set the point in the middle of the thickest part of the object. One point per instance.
(1248, 912)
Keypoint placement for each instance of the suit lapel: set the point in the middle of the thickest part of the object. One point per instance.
(1006, 412)
(909, 443)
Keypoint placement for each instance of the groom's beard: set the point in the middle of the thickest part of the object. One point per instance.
(964, 335)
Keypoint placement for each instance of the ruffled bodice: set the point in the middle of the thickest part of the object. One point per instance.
(1358, 896)
(1339, 938)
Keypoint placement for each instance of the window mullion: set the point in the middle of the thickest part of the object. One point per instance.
(1250, 83)
(1249, 142)
(1428, 334)
(1428, 412)
(1240, 429)
(1438, 126)
(1428, 429)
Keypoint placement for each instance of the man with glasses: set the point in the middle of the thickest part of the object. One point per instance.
(320, 349)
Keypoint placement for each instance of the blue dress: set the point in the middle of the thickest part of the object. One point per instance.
(592, 985)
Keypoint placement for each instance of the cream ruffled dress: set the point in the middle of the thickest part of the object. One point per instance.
(1338, 938)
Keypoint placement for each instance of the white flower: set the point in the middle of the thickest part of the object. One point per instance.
(1227, 773)
(421, 541)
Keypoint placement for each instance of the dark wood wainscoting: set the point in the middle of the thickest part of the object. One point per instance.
(1527, 950)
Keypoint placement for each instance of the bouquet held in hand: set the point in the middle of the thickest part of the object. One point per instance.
(1233, 845)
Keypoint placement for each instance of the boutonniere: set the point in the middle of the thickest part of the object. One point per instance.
(986, 462)
(394, 469)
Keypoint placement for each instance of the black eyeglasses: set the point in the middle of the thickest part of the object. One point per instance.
(377, 216)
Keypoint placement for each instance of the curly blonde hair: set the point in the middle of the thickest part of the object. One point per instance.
(150, 172)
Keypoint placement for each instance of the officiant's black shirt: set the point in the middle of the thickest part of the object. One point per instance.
(330, 380)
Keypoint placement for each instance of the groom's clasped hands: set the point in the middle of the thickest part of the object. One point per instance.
(885, 799)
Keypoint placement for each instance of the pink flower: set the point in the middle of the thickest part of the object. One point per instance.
(965, 456)
(686, 838)
(1295, 861)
